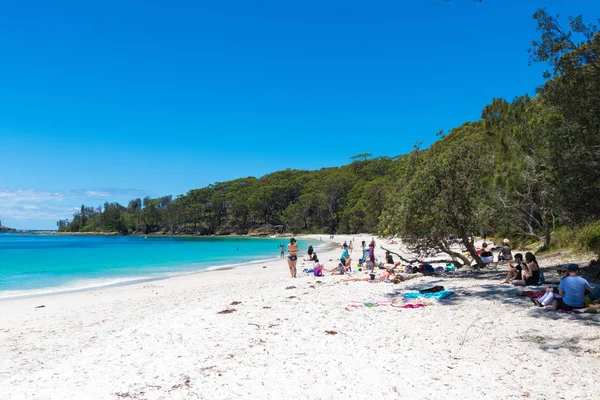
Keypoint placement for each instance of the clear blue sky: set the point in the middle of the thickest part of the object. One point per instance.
(117, 99)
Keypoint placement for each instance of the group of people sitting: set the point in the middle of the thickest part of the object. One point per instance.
(570, 294)
(523, 272)
(505, 253)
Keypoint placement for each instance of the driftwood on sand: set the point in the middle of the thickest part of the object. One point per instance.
(405, 277)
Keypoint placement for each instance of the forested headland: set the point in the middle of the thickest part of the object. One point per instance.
(529, 169)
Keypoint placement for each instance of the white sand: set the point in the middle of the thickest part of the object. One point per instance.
(165, 340)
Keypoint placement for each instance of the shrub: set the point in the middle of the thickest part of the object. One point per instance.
(589, 237)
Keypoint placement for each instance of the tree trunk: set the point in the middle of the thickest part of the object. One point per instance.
(546, 226)
(470, 245)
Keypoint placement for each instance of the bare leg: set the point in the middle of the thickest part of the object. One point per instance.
(552, 307)
(294, 272)
(291, 267)
(512, 272)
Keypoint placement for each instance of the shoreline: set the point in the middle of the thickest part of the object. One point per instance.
(134, 280)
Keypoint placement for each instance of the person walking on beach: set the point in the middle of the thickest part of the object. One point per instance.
(292, 256)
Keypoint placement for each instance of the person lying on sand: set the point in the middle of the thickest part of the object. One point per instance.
(387, 266)
(386, 275)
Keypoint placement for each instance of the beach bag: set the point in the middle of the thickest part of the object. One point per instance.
(427, 268)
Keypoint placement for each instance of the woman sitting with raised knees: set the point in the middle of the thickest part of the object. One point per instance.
(530, 275)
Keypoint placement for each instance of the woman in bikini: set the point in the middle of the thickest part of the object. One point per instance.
(292, 249)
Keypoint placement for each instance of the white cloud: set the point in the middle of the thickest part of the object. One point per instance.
(33, 204)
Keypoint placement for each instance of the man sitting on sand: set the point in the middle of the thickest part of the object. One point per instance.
(514, 272)
(572, 289)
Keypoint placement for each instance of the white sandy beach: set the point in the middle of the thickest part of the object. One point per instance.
(165, 340)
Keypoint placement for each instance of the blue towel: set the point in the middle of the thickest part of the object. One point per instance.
(435, 296)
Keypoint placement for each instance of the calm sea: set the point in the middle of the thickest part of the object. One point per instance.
(39, 264)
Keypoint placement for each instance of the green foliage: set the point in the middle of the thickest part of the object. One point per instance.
(589, 237)
(529, 168)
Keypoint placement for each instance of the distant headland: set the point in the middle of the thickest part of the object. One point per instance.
(4, 229)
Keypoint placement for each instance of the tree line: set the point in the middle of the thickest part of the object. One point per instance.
(525, 168)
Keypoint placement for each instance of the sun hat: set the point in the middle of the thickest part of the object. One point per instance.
(506, 241)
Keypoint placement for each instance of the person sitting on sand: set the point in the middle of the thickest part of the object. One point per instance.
(552, 292)
(345, 257)
(310, 252)
(530, 275)
(514, 271)
(572, 290)
(388, 274)
(339, 270)
(505, 251)
(292, 249)
(486, 254)
(594, 308)
(318, 268)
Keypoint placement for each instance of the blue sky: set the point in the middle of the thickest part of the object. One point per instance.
(119, 99)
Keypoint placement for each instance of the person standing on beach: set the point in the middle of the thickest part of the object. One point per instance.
(282, 251)
(292, 256)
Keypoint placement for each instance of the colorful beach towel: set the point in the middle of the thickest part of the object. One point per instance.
(413, 305)
(435, 296)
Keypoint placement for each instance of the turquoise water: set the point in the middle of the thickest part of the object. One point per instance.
(38, 264)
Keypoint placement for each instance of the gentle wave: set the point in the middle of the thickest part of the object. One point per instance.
(94, 284)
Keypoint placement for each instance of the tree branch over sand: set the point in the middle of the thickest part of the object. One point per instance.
(416, 260)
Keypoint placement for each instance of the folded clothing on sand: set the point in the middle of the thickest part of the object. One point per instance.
(437, 295)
